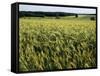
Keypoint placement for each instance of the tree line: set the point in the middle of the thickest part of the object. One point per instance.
(45, 14)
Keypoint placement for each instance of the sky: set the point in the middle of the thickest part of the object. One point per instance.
(56, 9)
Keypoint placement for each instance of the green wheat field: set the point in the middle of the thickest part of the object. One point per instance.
(56, 44)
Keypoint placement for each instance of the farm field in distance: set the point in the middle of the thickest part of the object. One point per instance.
(53, 44)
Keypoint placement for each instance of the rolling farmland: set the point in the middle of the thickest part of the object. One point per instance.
(51, 44)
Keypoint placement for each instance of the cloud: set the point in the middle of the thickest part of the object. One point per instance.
(56, 9)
